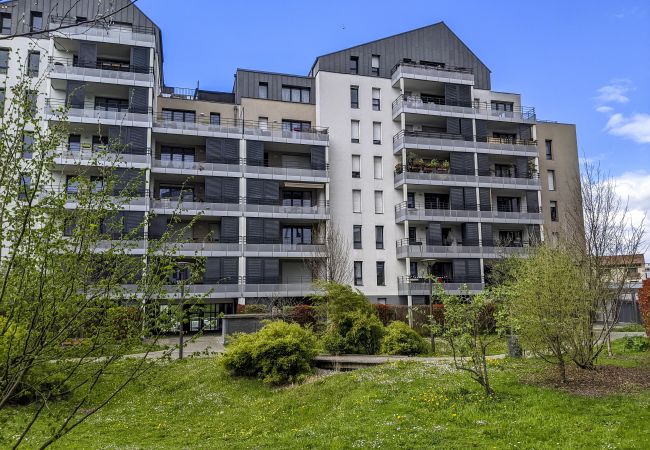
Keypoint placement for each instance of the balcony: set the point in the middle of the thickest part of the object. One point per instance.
(470, 110)
(196, 168)
(422, 286)
(67, 69)
(421, 212)
(193, 206)
(413, 249)
(290, 287)
(205, 249)
(129, 247)
(431, 176)
(418, 140)
(316, 211)
(134, 203)
(499, 180)
(286, 172)
(103, 32)
(505, 216)
(86, 155)
(58, 109)
(455, 75)
(228, 128)
(281, 250)
(206, 291)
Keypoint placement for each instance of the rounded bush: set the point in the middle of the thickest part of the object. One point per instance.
(356, 332)
(400, 339)
(277, 354)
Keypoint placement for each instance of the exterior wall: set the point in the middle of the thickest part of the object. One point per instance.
(276, 111)
(202, 108)
(247, 84)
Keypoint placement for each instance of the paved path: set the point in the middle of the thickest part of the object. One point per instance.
(204, 345)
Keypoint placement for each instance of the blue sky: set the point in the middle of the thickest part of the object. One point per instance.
(583, 62)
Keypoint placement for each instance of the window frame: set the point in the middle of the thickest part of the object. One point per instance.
(379, 201)
(374, 70)
(553, 209)
(358, 273)
(550, 180)
(33, 56)
(549, 149)
(376, 126)
(354, 65)
(356, 163)
(303, 93)
(357, 237)
(380, 266)
(378, 162)
(263, 86)
(216, 115)
(376, 101)
(355, 125)
(354, 97)
(379, 237)
(35, 15)
(356, 193)
(3, 17)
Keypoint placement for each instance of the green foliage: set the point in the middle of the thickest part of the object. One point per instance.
(304, 315)
(124, 322)
(355, 332)
(400, 339)
(637, 344)
(340, 299)
(277, 354)
(255, 308)
(386, 313)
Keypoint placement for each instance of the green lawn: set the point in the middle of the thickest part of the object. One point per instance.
(195, 404)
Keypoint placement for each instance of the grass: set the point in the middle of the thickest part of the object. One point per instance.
(630, 327)
(195, 404)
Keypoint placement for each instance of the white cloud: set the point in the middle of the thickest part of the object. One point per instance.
(634, 188)
(615, 92)
(604, 109)
(635, 127)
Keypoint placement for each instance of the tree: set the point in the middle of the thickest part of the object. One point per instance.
(67, 266)
(549, 304)
(644, 305)
(332, 262)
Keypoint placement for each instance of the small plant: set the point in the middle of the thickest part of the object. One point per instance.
(279, 353)
(445, 166)
(399, 168)
(356, 332)
(400, 339)
(637, 344)
(255, 308)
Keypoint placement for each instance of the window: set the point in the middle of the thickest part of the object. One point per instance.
(4, 60)
(215, 118)
(174, 192)
(295, 94)
(263, 90)
(410, 199)
(553, 210)
(376, 132)
(100, 143)
(71, 184)
(25, 184)
(178, 115)
(28, 142)
(32, 101)
(354, 65)
(549, 149)
(413, 269)
(502, 106)
(379, 168)
(114, 104)
(36, 21)
(5, 21)
(379, 237)
(354, 97)
(376, 99)
(296, 198)
(74, 143)
(551, 180)
(356, 166)
(2, 101)
(356, 236)
(354, 131)
(33, 63)
(81, 19)
(356, 200)
(178, 154)
(413, 236)
(295, 125)
(263, 123)
(374, 65)
(301, 235)
(381, 273)
(358, 273)
(379, 202)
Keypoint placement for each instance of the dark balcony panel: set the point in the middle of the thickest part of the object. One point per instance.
(76, 94)
(483, 160)
(129, 140)
(139, 59)
(128, 181)
(262, 230)
(221, 190)
(456, 198)
(525, 132)
(470, 234)
(481, 130)
(458, 95)
(262, 270)
(222, 150)
(487, 235)
(138, 99)
(318, 158)
(262, 192)
(434, 234)
(229, 230)
(532, 203)
(87, 54)
(485, 199)
(255, 153)
(521, 165)
(157, 227)
(469, 195)
(224, 270)
(123, 223)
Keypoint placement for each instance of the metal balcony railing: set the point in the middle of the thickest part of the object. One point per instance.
(413, 285)
(101, 153)
(253, 245)
(431, 67)
(89, 110)
(100, 65)
(439, 104)
(103, 30)
(286, 169)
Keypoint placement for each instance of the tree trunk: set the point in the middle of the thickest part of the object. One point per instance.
(562, 368)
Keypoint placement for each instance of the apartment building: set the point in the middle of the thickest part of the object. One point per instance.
(399, 144)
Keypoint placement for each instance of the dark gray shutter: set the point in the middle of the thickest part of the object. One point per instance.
(138, 99)
(213, 189)
(140, 59)
(453, 125)
(254, 230)
(254, 191)
(487, 235)
(464, 96)
(457, 163)
(157, 227)
(459, 269)
(434, 234)
(229, 270)
(521, 165)
(76, 94)
(532, 205)
(525, 132)
(214, 150)
(128, 179)
(271, 192)
(469, 164)
(229, 230)
(483, 160)
(318, 158)
(254, 153)
(230, 188)
(133, 221)
(87, 54)
(484, 198)
(456, 198)
(137, 141)
(212, 270)
(272, 231)
(466, 127)
(254, 270)
(114, 136)
(271, 270)
(481, 130)
(470, 198)
(452, 94)
(231, 151)
(473, 271)
(470, 234)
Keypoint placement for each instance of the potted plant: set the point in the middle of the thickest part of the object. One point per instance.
(399, 168)
(444, 166)
(429, 167)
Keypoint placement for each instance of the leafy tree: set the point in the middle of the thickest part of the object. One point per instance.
(355, 332)
(400, 339)
(644, 305)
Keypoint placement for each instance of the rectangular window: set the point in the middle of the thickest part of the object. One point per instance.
(551, 180)
(178, 154)
(215, 118)
(354, 65)
(553, 210)
(379, 168)
(379, 202)
(2, 101)
(356, 236)
(381, 273)
(114, 105)
(410, 199)
(413, 236)
(74, 143)
(36, 21)
(549, 149)
(376, 99)
(299, 235)
(376, 132)
(25, 185)
(413, 269)
(356, 166)
(379, 237)
(295, 125)
(28, 143)
(263, 123)
(296, 94)
(354, 97)
(356, 200)
(374, 65)
(354, 131)
(358, 273)
(502, 106)
(4, 60)
(5, 19)
(178, 115)
(263, 90)
(33, 63)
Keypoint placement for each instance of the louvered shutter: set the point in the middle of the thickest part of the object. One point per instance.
(459, 269)
(525, 132)
(213, 189)
(483, 160)
(76, 94)
(254, 230)
(470, 234)
(212, 270)
(434, 234)
(532, 203)
(521, 164)
(464, 96)
(481, 130)
(140, 59)
(318, 158)
(230, 151)
(271, 194)
(229, 270)
(157, 227)
(469, 164)
(115, 137)
(271, 270)
(466, 127)
(87, 54)
(230, 190)
(453, 125)
(456, 198)
(457, 163)
(254, 270)
(254, 191)
(535, 235)
(254, 153)
(137, 140)
(470, 198)
(473, 270)
(487, 235)
(132, 222)
(138, 99)
(128, 182)
(485, 199)
(451, 94)
(229, 230)
(272, 231)
(214, 150)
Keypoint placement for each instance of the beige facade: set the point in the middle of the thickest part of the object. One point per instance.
(277, 111)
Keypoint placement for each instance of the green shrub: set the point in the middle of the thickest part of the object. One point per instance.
(304, 315)
(356, 332)
(255, 308)
(637, 344)
(279, 353)
(340, 299)
(400, 339)
(124, 322)
(386, 313)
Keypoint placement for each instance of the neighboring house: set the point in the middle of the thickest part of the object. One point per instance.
(635, 270)
(400, 143)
